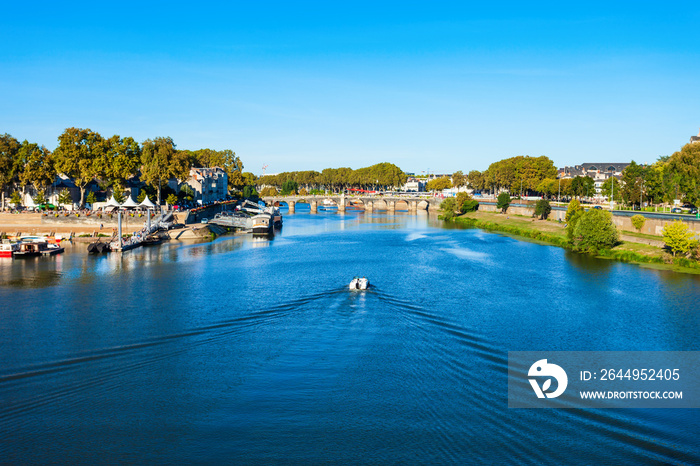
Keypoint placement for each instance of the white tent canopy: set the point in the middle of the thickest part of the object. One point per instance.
(112, 202)
(147, 203)
(129, 203)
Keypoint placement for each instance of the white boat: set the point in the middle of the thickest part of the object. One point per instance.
(359, 283)
(7, 248)
(262, 224)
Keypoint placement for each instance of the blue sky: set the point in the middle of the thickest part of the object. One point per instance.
(430, 86)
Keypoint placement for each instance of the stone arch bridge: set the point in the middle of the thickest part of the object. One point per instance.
(367, 203)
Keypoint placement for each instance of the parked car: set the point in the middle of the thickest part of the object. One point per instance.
(598, 207)
(676, 210)
(694, 210)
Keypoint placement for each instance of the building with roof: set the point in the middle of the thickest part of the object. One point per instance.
(208, 184)
(694, 139)
(598, 171)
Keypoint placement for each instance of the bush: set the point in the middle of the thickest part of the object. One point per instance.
(594, 231)
(470, 206)
(573, 210)
(542, 209)
(448, 208)
(678, 238)
(503, 202)
(638, 222)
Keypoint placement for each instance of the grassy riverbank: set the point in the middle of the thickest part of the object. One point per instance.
(554, 233)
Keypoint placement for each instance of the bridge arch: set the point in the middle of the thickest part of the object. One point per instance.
(380, 204)
(401, 205)
(423, 205)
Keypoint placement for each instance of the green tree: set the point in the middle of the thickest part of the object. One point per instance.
(476, 180)
(470, 205)
(549, 187)
(654, 182)
(594, 231)
(638, 221)
(525, 171)
(226, 159)
(77, 155)
(542, 209)
(171, 199)
(160, 162)
(240, 179)
(186, 192)
(64, 197)
(684, 165)
(449, 207)
(9, 147)
(612, 187)
(16, 199)
(37, 167)
(503, 202)
(120, 158)
(458, 179)
(678, 237)
(563, 188)
(40, 198)
(438, 184)
(574, 208)
(462, 197)
(268, 192)
(249, 192)
(582, 186)
(289, 187)
(574, 212)
(91, 198)
(118, 192)
(146, 190)
(632, 178)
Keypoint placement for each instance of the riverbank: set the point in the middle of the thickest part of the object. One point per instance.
(31, 224)
(636, 249)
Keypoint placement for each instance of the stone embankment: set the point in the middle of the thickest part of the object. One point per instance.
(36, 224)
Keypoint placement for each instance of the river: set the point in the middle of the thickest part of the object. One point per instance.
(253, 351)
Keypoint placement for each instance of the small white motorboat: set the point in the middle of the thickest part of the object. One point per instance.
(359, 283)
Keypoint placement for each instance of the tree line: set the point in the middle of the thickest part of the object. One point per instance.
(85, 156)
(377, 177)
(671, 177)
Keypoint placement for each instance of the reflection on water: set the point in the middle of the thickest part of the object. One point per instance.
(248, 350)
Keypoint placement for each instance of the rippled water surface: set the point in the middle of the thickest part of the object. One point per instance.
(248, 351)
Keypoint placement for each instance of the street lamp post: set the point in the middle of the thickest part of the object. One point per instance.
(559, 196)
(612, 192)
